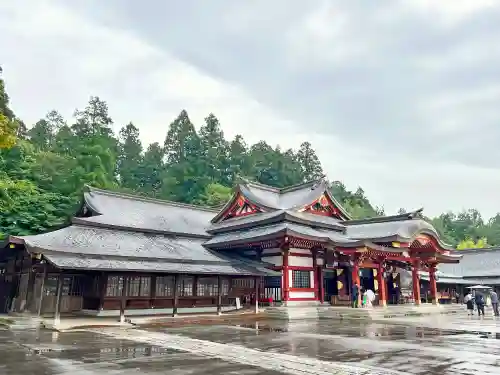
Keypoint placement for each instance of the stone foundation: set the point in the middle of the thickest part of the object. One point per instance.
(340, 312)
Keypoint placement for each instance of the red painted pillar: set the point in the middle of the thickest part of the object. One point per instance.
(321, 290)
(286, 281)
(433, 285)
(415, 283)
(382, 286)
(315, 273)
(355, 277)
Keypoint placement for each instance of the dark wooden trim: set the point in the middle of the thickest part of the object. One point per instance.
(103, 281)
(153, 291)
(123, 299)
(176, 294)
(219, 294)
(42, 291)
(57, 307)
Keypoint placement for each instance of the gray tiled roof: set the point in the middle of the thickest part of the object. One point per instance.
(400, 230)
(290, 198)
(272, 231)
(286, 198)
(128, 211)
(475, 264)
(98, 248)
(100, 264)
(275, 217)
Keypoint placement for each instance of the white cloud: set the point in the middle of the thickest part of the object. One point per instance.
(57, 59)
(449, 12)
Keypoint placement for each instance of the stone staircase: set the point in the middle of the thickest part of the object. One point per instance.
(24, 322)
(341, 312)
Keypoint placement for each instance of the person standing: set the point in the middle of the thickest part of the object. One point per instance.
(355, 295)
(479, 299)
(494, 302)
(469, 301)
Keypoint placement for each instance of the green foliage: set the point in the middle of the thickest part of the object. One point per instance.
(44, 168)
(470, 244)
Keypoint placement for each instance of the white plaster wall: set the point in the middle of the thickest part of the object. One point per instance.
(300, 261)
(276, 260)
(301, 294)
(290, 282)
(311, 275)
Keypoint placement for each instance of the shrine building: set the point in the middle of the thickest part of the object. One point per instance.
(129, 255)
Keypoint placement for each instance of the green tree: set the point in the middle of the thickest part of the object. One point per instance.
(215, 151)
(151, 170)
(214, 195)
(7, 132)
(309, 162)
(185, 177)
(130, 158)
(470, 244)
(240, 164)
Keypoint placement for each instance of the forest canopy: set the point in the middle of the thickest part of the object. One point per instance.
(43, 169)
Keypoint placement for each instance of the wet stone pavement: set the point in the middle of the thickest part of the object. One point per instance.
(316, 347)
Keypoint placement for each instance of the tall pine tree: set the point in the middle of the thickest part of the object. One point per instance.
(130, 157)
(309, 162)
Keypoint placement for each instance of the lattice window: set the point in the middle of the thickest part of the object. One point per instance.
(185, 286)
(207, 286)
(165, 286)
(243, 283)
(301, 279)
(139, 286)
(225, 287)
(114, 286)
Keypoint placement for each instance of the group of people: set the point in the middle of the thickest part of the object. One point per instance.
(477, 299)
(367, 296)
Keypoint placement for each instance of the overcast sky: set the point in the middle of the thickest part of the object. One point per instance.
(399, 97)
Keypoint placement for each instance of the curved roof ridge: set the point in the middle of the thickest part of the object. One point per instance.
(285, 189)
(136, 197)
(313, 184)
(415, 214)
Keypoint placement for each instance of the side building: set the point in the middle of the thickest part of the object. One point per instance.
(477, 267)
(129, 255)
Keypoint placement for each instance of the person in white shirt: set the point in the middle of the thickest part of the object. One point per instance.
(469, 301)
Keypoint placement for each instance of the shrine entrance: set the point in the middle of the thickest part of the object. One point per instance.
(367, 279)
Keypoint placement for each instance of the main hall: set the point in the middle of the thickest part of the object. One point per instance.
(130, 255)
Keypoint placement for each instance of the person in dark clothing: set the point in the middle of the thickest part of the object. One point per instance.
(355, 295)
(479, 299)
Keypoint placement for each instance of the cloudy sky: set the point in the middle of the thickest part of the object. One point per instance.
(399, 97)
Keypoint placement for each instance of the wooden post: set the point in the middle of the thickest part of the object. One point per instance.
(42, 289)
(257, 279)
(57, 307)
(415, 283)
(433, 285)
(153, 291)
(219, 295)
(103, 280)
(123, 300)
(176, 295)
(30, 293)
(382, 286)
(321, 289)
